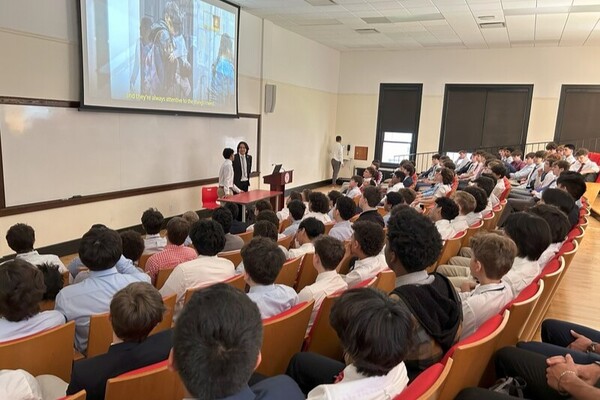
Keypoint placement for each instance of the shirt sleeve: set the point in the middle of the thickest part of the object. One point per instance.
(305, 294)
(175, 284)
(352, 279)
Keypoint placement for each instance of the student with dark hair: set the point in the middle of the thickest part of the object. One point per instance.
(99, 249)
(284, 213)
(318, 204)
(175, 252)
(261, 205)
(237, 226)
(22, 288)
(445, 210)
(408, 169)
(133, 245)
(372, 329)
(564, 201)
(242, 167)
(378, 176)
(573, 183)
(481, 200)
(409, 195)
(413, 245)
(524, 173)
(487, 184)
(366, 244)
(390, 200)
(369, 175)
(267, 230)
(368, 204)
(222, 314)
(227, 185)
(152, 221)
(308, 230)
(333, 196)
(296, 214)
(568, 150)
(270, 216)
(462, 162)
(466, 205)
(396, 182)
(354, 186)
(224, 217)
(343, 212)
(584, 166)
(498, 170)
(262, 262)
(52, 279)
(21, 238)
(560, 226)
(134, 311)
(209, 240)
(443, 185)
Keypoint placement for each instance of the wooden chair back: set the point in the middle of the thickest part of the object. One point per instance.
(429, 384)
(450, 249)
(357, 199)
(285, 241)
(246, 236)
(472, 356)
(568, 255)
(144, 259)
(284, 224)
(155, 382)
(65, 278)
(167, 320)
(235, 256)
(328, 227)
(161, 278)
(48, 352)
(237, 281)
(283, 335)
(77, 396)
(322, 338)
(386, 281)
(344, 266)
(307, 275)
(289, 272)
(488, 220)
(382, 211)
(497, 213)
(473, 229)
(100, 335)
(47, 305)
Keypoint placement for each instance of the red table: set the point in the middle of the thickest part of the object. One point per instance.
(250, 197)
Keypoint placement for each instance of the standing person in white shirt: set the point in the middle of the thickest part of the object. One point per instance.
(328, 254)
(226, 185)
(152, 221)
(366, 244)
(21, 238)
(308, 230)
(373, 330)
(343, 212)
(337, 158)
(493, 256)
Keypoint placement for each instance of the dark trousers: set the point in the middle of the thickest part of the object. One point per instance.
(556, 336)
(243, 186)
(310, 370)
(336, 165)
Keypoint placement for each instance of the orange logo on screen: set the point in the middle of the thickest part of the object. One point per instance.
(286, 177)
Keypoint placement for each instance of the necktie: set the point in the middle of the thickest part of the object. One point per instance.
(580, 168)
(243, 162)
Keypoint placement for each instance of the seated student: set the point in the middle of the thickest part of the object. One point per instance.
(262, 261)
(152, 221)
(333, 196)
(258, 207)
(223, 216)
(133, 245)
(527, 183)
(344, 211)
(389, 201)
(517, 163)
(372, 329)
(354, 186)
(99, 249)
(413, 245)
(466, 204)
(192, 217)
(208, 239)
(328, 254)
(572, 183)
(224, 315)
(368, 204)
(21, 238)
(564, 201)
(493, 256)
(318, 205)
(462, 161)
(175, 252)
(397, 181)
(475, 216)
(526, 169)
(134, 311)
(308, 230)
(267, 230)
(268, 215)
(445, 210)
(474, 170)
(22, 289)
(585, 166)
(487, 184)
(52, 279)
(409, 170)
(368, 175)
(378, 176)
(237, 226)
(560, 228)
(409, 195)
(443, 184)
(305, 195)
(498, 170)
(558, 167)
(285, 212)
(366, 244)
(426, 178)
(296, 214)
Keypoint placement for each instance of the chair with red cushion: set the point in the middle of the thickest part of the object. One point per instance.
(209, 197)
(307, 275)
(237, 281)
(289, 272)
(154, 382)
(472, 231)
(520, 309)
(595, 157)
(450, 249)
(429, 383)
(507, 189)
(386, 281)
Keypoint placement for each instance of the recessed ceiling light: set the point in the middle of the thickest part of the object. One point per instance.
(321, 2)
(492, 25)
(486, 17)
(366, 31)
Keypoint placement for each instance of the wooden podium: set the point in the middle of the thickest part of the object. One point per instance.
(277, 183)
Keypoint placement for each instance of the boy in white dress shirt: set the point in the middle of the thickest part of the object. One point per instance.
(445, 210)
(481, 200)
(21, 238)
(354, 186)
(343, 212)
(152, 221)
(318, 204)
(296, 211)
(328, 254)
(308, 230)
(560, 224)
(262, 261)
(493, 256)
(366, 244)
(466, 204)
(585, 166)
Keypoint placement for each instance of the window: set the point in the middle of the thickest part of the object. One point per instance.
(397, 122)
(578, 118)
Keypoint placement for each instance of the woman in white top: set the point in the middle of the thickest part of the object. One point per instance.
(21, 290)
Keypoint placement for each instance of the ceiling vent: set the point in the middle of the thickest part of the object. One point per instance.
(492, 25)
(366, 31)
(376, 20)
(321, 2)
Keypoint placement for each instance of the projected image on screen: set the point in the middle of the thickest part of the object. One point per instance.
(176, 55)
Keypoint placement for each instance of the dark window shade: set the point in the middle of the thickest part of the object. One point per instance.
(464, 120)
(578, 113)
(505, 113)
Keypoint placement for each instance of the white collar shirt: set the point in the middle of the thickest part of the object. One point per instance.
(337, 152)
(327, 283)
(273, 299)
(324, 218)
(473, 218)
(415, 278)
(244, 166)
(570, 159)
(396, 187)
(445, 229)
(588, 165)
(460, 223)
(481, 304)
(226, 178)
(41, 321)
(355, 191)
(461, 162)
(292, 229)
(355, 386)
(154, 243)
(36, 259)
(300, 251)
(521, 274)
(499, 188)
(549, 254)
(342, 231)
(523, 172)
(364, 269)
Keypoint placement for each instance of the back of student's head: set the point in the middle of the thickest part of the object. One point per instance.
(263, 205)
(177, 230)
(135, 310)
(233, 209)
(268, 215)
(207, 237)
(413, 239)
(480, 196)
(333, 196)
(223, 216)
(305, 194)
(20, 238)
(297, 209)
(330, 251)
(266, 229)
(447, 176)
(409, 195)
(573, 182)
(53, 280)
(540, 154)
(448, 208)
(312, 227)
(530, 233)
(370, 237)
(496, 253)
(559, 198)
(100, 249)
(295, 195)
(374, 330)
(556, 219)
(490, 176)
(346, 208)
(372, 196)
(486, 183)
(318, 202)
(133, 244)
(498, 169)
(216, 342)
(449, 164)
(581, 152)
(358, 179)
(263, 260)
(192, 216)
(152, 221)
(393, 198)
(465, 201)
(21, 290)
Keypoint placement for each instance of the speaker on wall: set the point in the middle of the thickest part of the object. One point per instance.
(270, 97)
